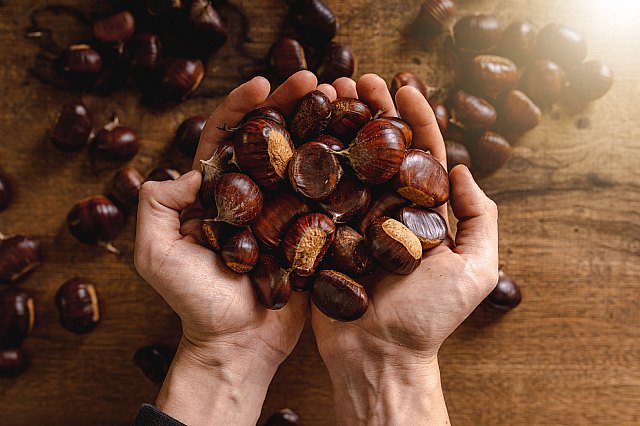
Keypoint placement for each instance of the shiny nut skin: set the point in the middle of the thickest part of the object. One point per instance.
(404, 127)
(331, 142)
(517, 112)
(95, 220)
(271, 282)
(5, 191)
(422, 179)
(491, 75)
(442, 115)
(307, 241)
(518, 41)
(179, 78)
(477, 33)
(125, 187)
(116, 28)
(238, 199)
(386, 204)
(337, 60)
(154, 361)
(310, 116)
(284, 417)
(543, 81)
(457, 153)
(212, 169)
(407, 78)
(590, 80)
(19, 255)
(287, 57)
(489, 151)
(506, 295)
(562, 45)
(188, 135)
(16, 317)
(162, 173)
(280, 211)
(314, 171)
(240, 250)
(209, 30)
(266, 113)
(115, 142)
(144, 52)
(80, 64)
(432, 18)
(338, 296)
(73, 127)
(348, 253)
(350, 198)
(393, 245)
(427, 225)
(262, 149)
(473, 111)
(348, 116)
(78, 306)
(313, 20)
(13, 362)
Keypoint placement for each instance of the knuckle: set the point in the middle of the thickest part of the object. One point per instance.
(148, 190)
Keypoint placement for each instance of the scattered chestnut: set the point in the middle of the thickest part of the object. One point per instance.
(491, 75)
(307, 241)
(116, 28)
(73, 127)
(350, 198)
(456, 132)
(457, 153)
(154, 361)
(477, 33)
(179, 78)
(518, 41)
(144, 51)
(271, 282)
(240, 250)
(561, 45)
(262, 149)
(300, 283)
(427, 225)
(506, 295)
(337, 60)
(115, 142)
(96, 221)
(212, 169)
(489, 152)
(517, 112)
(266, 113)
(19, 255)
(406, 78)
(280, 211)
(590, 80)
(543, 81)
(441, 114)
(338, 296)
(287, 57)
(422, 179)
(432, 18)
(13, 362)
(393, 245)
(81, 64)
(310, 116)
(16, 317)
(473, 111)
(78, 307)
(125, 187)
(314, 171)
(284, 417)
(238, 199)
(210, 31)
(404, 128)
(5, 191)
(188, 135)
(387, 204)
(348, 116)
(377, 152)
(313, 20)
(161, 174)
(163, 7)
(348, 253)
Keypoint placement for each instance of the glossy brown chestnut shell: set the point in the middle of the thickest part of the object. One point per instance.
(19, 255)
(80, 64)
(115, 28)
(284, 417)
(337, 60)
(17, 316)
(404, 127)
(13, 362)
(271, 282)
(78, 306)
(212, 169)
(472, 111)
(310, 117)
(477, 33)
(427, 225)
(188, 135)
(162, 173)
(266, 113)
(238, 199)
(543, 81)
(422, 179)
(457, 153)
(517, 112)
(240, 250)
(331, 142)
(73, 127)
(393, 245)
(407, 78)
(307, 241)
(562, 45)
(287, 57)
(506, 295)
(5, 191)
(179, 78)
(350, 198)
(348, 116)
(209, 30)
(590, 80)
(144, 51)
(387, 204)
(125, 187)
(314, 171)
(96, 221)
(280, 211)
(338, 296)
(432, 18)
(115, 142)
(348, 253)
(491, 75)
(489, 151)
(154, 361)
(313, 20)
(518, 41)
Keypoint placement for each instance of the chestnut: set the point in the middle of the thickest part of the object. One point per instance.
(338, 296)
(386, 204)
(442, 115)
(116, 28)
(590, 80)
(336, 60)
(427, 225)
(73, 127)
(266, 113)
(125, 187)
(517, 112)
(543, 81)
(16, 317)
(19, 255)
(457, 153)
(307, 241)
(473, 111)
(477, 33)
(456, 132)
(300, 283)
(13, 362)
(212, 169)
(348, 116)
(5, 191)
(393, 245)
(350, 198)
(562, 45)
(78, 306)
(310, 116)
(238, 199)
(432, 18)
(144, 51)
(240, 250)
(506, 295)
(210, 31)
(314, 171)
(188, 135)
(491, 75)
(179, 78)
(96, 221)
(284, 417)
(422, 179)
(271, 282)
(216, 233)
(154, 361)
(404, 128)
(518, 41)
(348, 253)
(377, 152)
(115, 142)
(80, 64)
(489, 151)
(287, 57)
(262, 149)
(313, 20)
(162, 173)
(163, 7)
(407, 78)
(280, 211)
(333, 143)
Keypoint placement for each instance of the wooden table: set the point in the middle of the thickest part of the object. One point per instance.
(569, 233)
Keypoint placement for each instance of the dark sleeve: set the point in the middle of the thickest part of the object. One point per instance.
(151, 416)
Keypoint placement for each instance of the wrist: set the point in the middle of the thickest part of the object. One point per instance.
(217, 385)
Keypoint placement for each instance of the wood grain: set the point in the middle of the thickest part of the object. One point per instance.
(569, 204)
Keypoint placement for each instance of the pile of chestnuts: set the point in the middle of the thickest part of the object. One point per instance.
(320, 200)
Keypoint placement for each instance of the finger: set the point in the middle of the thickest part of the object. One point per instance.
(373, 91)
(284, 98)
(345, 88)
(328, 90)
(229, 113)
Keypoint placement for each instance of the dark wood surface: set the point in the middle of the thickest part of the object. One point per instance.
(569, 233)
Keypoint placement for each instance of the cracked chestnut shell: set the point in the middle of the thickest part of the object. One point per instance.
(350, 198)
(348, 116)
(348, 253)
(517, 112)
(543, 81)
(162, 173)
(590, 80)
(284, 417)
(427, 225)
(19, 255)
(422, 179)
(489, 151)
(188, 135)
(518, 41)
(506, 295)
(286, 57)
(386, 204)
(491, 75)
(280, 211)
(16, 317)
(115, 142)
(13, 362)
(307, 241)
(96, 221)
(238, 199)
(336, 60)
(457, 153)
(310, 116)
(477, 33)
(154, 361)
(271, 282)
(5, 191)
(115, 28)
(338, 296)
(393, 245)
(562, 45)
(314, 171)
(313, 20)
(125, 187)
(240, 250)
(473, 111)
(432, 17)
(78, 306)
(73, 127)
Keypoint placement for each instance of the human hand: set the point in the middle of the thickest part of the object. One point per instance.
(384, 366)
(231, 345)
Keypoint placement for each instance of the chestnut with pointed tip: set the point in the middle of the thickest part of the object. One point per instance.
(188, 135)
(517, 112)
(307, 241)
(115, 142)
(543, 81)
(279, 212)
(287, 57)
(506, 295)
(154, 361)
(125, 187)
(314, 171)
(387, 204)
(73, 127)
(432, 18)
(80, 64)
(115, 28)
(457, 153)
(267, 114)
(96, 221)
(19, 255)
(348, 253)
(489, 151)
(590, 80)
(78, 306)
(310, 116)
(427, 225)
(284, 417)
(477, 33)
(313, 20)
(210, 31)
(407, 78)
(518, 41)
(562, 45)
(473, 111)
(5, 191)
(238, 199)
(393, 245)
(338, 296)
(350, 198)
(13, 362)
(336, 60)
(422, 179)
(348, 116)
(162, 173)
(240, 250)
(491, 75)
(212, 169)
(16, 317)
(271, 282)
